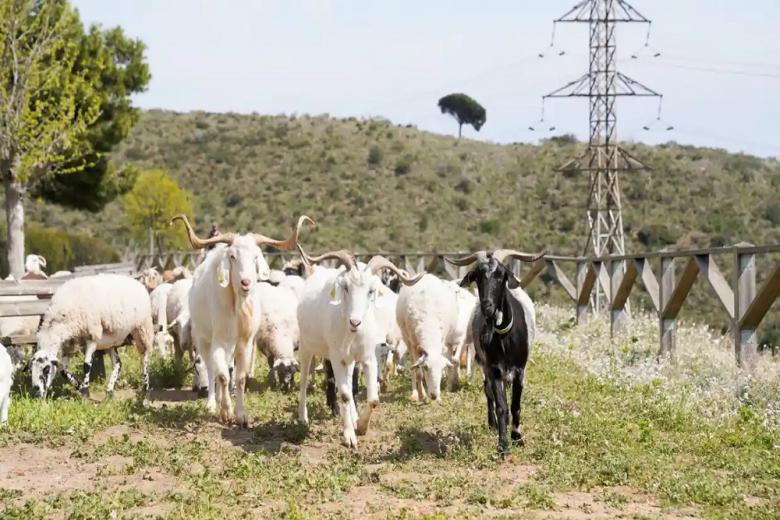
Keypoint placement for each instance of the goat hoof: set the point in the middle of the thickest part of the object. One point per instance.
(503, 450)
(202, 392)
(349, 440)
(84, 392)
(517, 438)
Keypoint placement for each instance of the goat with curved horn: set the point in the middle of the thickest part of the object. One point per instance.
(501, 254)
(467, 260)
(200, 243)
(377, 263)
(345, 257)
(284, 245)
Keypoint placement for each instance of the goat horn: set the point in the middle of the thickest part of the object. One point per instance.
(284, 245)
(501, 254)
(346, 258)
(467, 260)
(377, 263)
(200, 243)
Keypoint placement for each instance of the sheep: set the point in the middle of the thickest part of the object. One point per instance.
(175, 274)
(163, 341)
(503, 327)
(294, 283)
(178, 315)
(337, 322)
(225, 309)
(150, 277)
(278, 334)
(101, 310)
(6, 380)
(428, 315)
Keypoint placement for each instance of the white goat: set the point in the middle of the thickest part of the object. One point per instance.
(463, 356)
(163, 341)
(225, 310)
(102, 310)
(6, 380)
(278, 334)
(428, 316)
(180, 326)
(295, 283)
(150, 277)
(33, 265)
(337, 322)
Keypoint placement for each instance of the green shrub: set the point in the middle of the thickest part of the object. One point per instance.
(375, 156)
(490, 227)
(403, 165)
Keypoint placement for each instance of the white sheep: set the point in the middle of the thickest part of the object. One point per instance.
(6, 380)
(225, 310)
(277, 336)
(295, 283)
(178, 315)
(102, 310)
(337, 322)
(163, 341)
(428, 316)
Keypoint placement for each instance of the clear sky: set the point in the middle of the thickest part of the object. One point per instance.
(719, 68)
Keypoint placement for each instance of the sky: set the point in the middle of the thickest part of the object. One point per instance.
(718, 69)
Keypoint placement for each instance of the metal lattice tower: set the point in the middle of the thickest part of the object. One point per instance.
(604, 158)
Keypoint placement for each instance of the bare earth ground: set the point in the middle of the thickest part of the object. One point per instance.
(39, 472)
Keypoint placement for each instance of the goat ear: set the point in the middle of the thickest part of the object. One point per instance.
(334, 294)
(468, 279)
(511, 281)
(223, 276)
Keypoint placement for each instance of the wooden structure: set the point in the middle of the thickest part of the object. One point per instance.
(666, 276)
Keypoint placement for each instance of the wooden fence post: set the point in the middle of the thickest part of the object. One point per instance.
(745, 341)
(618, 316)
(585, 282)
(667, 326)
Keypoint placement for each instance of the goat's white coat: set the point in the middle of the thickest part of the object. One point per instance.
(428, 316)
(224, 321)
(325, 333)
(295, 283)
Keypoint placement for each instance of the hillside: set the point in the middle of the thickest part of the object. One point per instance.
(374, 185)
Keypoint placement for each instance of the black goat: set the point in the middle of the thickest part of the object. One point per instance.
(502, 329)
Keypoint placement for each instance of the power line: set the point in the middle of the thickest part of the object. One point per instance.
(733, 72)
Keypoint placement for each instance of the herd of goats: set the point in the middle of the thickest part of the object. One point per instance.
(234, 305)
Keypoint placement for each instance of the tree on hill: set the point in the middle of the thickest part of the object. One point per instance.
(63, 103)
(465, 110)
(154, 199)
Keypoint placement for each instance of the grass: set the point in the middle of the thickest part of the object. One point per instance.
(598, 428)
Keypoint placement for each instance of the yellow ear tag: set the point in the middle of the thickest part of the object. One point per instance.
(333, 293)
(381, 291)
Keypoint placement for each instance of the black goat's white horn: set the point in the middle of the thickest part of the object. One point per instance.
(377, 263)
(501, 254)
(467, 260)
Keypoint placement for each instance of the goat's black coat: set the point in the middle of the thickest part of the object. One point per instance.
(503, 357)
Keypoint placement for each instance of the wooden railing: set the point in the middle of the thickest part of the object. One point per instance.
(665, 276)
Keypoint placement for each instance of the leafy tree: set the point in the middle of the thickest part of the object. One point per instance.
(154, 199)
(465, 110)
(60, 108)
(115, 65)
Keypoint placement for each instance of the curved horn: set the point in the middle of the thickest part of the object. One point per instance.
(377, 263)
(467, 260)
(346, 258)
(501, 254)
(284, 245)
(200, 243)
